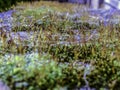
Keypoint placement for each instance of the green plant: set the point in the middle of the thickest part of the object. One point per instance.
(62, 51)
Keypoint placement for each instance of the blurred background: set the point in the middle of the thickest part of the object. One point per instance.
(93, 4)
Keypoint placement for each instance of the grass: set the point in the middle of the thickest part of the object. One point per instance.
(55, 56)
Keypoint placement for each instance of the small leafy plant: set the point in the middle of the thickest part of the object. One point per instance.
(53, 46)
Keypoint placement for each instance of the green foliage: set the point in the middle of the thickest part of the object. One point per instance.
(35, 71)
(76, 52)
(29, 69)
(5, 4)
(55, 59)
